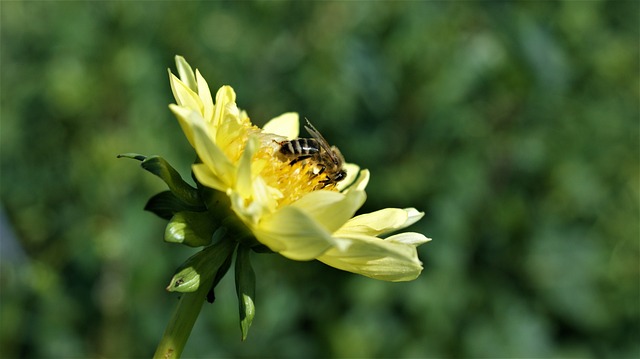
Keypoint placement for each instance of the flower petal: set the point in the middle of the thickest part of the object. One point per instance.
(185, 72)
(244, 176)
(212, 156)
(375, 223)
(293, 234)
(331, 209)
(382, 222)
(208, 178)
(360, 182)
(353, 171)
(412, 238)
(286, 125)
(224, 97)
(205, 96)
(376, 258)
(184, 95)
(413, 216)
(183, 115)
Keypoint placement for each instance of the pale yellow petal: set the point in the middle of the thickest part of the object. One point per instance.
(293, 234)
(244, 175)
(382, 222)
(353, 171)
(208, 178)
(412, 238)
(247, 210)
(205, 96)
(212, 156)
(185, 96)
(185, 72)
(413, 216)
(376, 223)
(331, 209)
(360, 182)
(376, 258)
(183, 114)
(224, 97)
(286, 125)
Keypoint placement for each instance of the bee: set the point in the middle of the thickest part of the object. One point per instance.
(327, 158)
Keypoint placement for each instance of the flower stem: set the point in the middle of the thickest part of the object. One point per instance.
(179, 328)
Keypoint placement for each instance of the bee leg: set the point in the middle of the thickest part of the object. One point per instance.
(298, 159)
(319, 172)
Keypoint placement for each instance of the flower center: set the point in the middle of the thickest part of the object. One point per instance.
(293, 176)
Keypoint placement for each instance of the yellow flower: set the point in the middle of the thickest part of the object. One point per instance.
(286, 206)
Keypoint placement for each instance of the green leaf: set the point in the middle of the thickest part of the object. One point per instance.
(194, 229)
(224, 268)
(133, 156)
(161, 168)
(181, 190)
(165, 205)
(202, 267)
(245, 288)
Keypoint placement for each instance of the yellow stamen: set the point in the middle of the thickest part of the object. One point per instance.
(292, 180)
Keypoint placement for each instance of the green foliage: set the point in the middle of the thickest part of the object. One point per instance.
(514, 126)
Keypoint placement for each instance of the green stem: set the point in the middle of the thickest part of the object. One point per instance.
(179, 328)
(202, 268)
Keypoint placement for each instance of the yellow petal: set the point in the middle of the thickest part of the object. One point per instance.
(211, 155)
(184, 96)
(224, 97)
(330, 209)
(353, 171)
(185, 72)
(244, 176)
(286, 125)
(293, 234)
(205, 96)
(376, 258)
(412, 238)
(183, 115)
(360, 182)
(413, 216)
(382, 222)
(376, 223)
(208, 178)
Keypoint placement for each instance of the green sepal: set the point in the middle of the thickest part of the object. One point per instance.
(224, 268)
(194, 229)
(261, 248)
(133, 156)
(201, 267)
(165, 205)
(245, 288)
(161, 168)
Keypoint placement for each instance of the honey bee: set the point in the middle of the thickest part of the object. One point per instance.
(327, 158)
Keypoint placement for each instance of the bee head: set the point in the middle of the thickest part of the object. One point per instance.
(340, 175)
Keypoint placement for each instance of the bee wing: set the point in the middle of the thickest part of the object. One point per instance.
(323, 143)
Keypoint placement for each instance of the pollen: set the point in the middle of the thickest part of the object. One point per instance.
(292, 180)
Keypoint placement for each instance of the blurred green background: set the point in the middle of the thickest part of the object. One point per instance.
(514, 126)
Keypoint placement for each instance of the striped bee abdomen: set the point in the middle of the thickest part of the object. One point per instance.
(300, 146)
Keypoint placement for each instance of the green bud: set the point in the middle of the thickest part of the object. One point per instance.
(194, 229)
(245, 288)
(201, 267)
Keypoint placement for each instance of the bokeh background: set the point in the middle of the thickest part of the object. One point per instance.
(513, 126)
